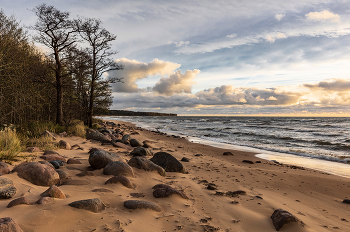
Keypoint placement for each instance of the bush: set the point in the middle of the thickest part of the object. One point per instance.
(76, 128)
(10, 144)
(44, 142)
(36, 129)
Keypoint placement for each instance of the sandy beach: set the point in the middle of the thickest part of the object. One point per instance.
(314, 197)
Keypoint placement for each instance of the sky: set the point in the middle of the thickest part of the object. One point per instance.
(223, 57)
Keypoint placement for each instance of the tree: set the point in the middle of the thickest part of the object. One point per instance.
(55, 31)
(99, 40)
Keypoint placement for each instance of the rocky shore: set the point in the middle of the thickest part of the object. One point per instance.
(125, 178)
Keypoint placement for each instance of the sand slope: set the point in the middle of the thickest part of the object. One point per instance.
(312, 196)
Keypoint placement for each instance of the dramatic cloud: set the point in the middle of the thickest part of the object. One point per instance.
(323, 16)
(135, 70)
(176, 83)
(332, 85)
(279, 16)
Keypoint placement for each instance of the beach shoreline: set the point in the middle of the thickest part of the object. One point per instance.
(312, 196)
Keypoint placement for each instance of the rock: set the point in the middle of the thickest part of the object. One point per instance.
(121, 145)
(145, 164)
(63, 176)
(120, 179)
(135, 143)
(64, 145)
(184, 159)
(33, 149)
(37, 173)
(49, 134)
(136, 204)
(53, 192)
(50, 152)
(126, 137)
(346, 201)
(7, 189)
(44, 201)
(258, 162)
(137, 195)
(73, 161)
(53, 157)
(227, 153)
(168, 162)
(19, 201)
(118, 168)
(147, 145)
(4, 168)
(55, 164)
(86, 173)
(235, 193)
(198, 155)
(8, 225)
(100, 158)
(247, 161)
(63, 134)
(162, 190)
(212, 186)
(102, 190)
(141, 151)
(94, 205)
(96, 136)
(281, 217)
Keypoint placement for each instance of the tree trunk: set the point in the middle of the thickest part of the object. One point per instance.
(59, 88)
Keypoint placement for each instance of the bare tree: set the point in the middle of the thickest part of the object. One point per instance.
(55, 31)
(99, 40)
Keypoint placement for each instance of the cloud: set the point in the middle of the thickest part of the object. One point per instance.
(176, 83)
(135, 70)
(323, 16)
(234, 35)
(272, 37)
(331, 85)
(181, 43)
(278, 17)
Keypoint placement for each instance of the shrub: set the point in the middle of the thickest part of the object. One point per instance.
(36, 129)
(44, 142)
(10, 144)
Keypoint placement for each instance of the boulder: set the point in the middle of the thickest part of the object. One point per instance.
(120, 179)
(53, 192)
(63, 176)
(281, 217)
(94, 205)
(55, 164)
(4, 168)
(51, 152)
(64, 145)
(49, 134)
(44, 201)
(8, 225)
(102, 190)
(100, 158)
(73, 161)
(136, 204)
(7, 189)
(37, 173)
(19, 201)
(98, 136)
(145, 164)
(162, 190)
(184, 159)
(141, 151)
(135, 143)
(247, 161)
(118, 168)
(53, 157)
(168, 162)
(126, 137)
(227, 153)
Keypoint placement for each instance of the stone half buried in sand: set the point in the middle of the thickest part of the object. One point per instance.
(120, 179)
(51, 157)
(136, 204)
(8, 225)
(53, 192)
(281, 217)
(94, 205)
(37, 173)
(145, 164)
(19, 201)
(100, 158)
(7, 189)
(4, 168)
(118, 168)
(162, 190)
(135, 143)
(168, 162)
(96, 135)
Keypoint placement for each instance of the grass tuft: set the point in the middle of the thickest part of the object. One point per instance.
(10, 144)
(76, 128)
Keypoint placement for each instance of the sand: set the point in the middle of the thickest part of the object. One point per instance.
(312, 196)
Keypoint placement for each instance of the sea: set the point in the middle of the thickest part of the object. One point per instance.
(321, 143)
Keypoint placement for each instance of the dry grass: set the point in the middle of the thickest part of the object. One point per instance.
(10, 144)
(76, 128)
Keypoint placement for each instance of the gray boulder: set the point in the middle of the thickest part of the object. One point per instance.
(168, 162)
(37, 173)
(136, 204)
(100, 158)
(96, 135)
(7, 189)
(141, 151)
(281, 217)
(9, 225)
(94, 205)
(145, 164)
(135, 143)
(118, 168)
(4, 168)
